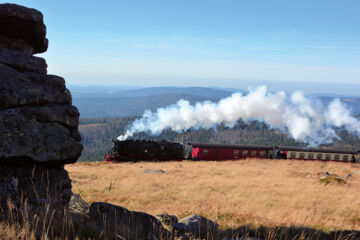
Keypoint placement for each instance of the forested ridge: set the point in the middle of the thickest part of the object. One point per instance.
(97, 135)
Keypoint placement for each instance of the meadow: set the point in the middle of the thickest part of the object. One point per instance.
(232, 193)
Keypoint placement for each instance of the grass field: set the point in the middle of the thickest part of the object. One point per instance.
(232, 193)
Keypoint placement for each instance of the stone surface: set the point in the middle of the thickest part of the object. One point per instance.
(78, 205)
(23, 23)
(37, 121)
(38, 124)
(16, 44)
(20, 89)
(26, 140)
(113, 220)
(167, 219)
(22, 62)
(197, 225)
(66, 115)
(35, 185)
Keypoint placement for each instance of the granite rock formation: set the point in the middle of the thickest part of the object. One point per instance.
(197, 225)
(112, 220)
(38, 124)
(25, 26)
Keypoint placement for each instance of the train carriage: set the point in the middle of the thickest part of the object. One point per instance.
(205, 151)
(321, 154)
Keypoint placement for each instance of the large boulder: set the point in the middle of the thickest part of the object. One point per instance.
(19, 22)
(197, 225)
(114, 221)
(38, 124)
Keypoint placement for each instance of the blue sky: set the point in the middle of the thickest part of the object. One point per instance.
(203, 43)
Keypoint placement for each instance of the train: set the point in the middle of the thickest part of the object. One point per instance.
(144, 150)
(204, 151)
(147, 150)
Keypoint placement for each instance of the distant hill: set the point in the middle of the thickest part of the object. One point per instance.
(100, 101)
(96, 91)
(195, 91)
(129, 106)
(121, 91)
(116, 101)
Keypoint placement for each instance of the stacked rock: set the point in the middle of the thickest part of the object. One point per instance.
(38, 124)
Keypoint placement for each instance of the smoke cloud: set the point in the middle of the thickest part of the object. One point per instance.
(304, 119)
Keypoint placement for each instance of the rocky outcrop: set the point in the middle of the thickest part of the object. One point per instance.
(38, 124)
(167, 219)
(37, 121)
(114, 221)
(25, 24)
(197, 225)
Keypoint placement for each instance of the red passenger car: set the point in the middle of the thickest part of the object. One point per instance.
(205, 151)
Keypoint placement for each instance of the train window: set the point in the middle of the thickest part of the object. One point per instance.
(253, 153)
(336, 157)
(345, 157)
(262, 153)
(293, 155)
(310, 156)
(302, 155)
(245, 153)
(236, 152)
(319, 156)
(205, 151)
(328, 156)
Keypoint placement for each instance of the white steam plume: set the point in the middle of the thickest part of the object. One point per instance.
(304, 119)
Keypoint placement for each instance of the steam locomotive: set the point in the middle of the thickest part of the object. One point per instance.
(146, 150)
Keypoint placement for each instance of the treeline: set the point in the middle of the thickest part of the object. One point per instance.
(97, 135)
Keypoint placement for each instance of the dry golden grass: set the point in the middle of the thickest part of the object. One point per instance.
(233, 193)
